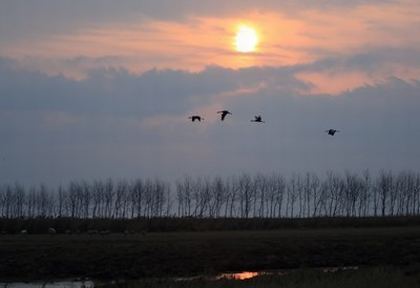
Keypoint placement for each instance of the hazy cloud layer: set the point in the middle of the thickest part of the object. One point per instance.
(118, 124)
(71, 38)
(20, 18)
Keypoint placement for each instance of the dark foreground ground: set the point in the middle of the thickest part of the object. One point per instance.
(163, 254)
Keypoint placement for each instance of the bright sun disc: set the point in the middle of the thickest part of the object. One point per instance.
(246, 39)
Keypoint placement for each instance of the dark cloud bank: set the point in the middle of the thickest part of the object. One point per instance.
(117, 124)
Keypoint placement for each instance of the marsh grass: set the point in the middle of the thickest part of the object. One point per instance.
(40, 225)
(183, 254)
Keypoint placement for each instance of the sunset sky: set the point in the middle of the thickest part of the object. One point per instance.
(102, 88)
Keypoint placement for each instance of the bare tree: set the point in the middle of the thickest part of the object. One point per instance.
(384, 186)
(292, 194)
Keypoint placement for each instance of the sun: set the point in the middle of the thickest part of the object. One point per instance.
(246, 39)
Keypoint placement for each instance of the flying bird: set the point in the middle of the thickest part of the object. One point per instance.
(332, 131)
(258, 119)
(196, 117)
(224, 114)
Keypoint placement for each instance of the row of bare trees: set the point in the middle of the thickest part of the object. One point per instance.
(100, 199)
(244, 196)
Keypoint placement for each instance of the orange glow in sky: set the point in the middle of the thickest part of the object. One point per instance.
(262, 38)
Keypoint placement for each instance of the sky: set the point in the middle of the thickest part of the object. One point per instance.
(100, 88)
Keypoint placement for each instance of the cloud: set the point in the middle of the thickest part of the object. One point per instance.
(22, 19)
(115, 123)
(120, 92)
(142, 35)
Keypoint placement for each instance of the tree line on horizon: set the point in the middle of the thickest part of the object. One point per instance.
(244, 196)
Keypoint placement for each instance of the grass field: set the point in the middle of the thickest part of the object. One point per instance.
(193, 253)
(40, 225)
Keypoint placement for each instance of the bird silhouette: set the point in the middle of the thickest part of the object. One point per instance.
(196, 117)
(332, 131)
(224, 114)
(258, 119)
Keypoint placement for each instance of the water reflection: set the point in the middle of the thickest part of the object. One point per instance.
(240, 276)
(58, 284)
(231, 276)
(338, 269)
(244, 275)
